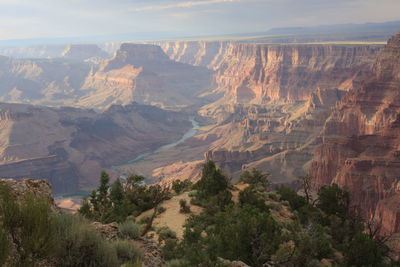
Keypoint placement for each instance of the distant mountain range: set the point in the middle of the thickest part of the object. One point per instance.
(322, 33)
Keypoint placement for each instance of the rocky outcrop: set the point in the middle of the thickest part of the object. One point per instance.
(144, 73)
(21, 187)
(278, 139)
(152, 256)
(360, 142)
(70, 146)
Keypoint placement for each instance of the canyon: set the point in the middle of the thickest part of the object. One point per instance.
(270, 104)
(70, 146)
(328, 110)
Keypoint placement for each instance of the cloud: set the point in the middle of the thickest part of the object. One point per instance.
(187, 4)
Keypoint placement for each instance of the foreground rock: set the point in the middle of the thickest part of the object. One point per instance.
(24, 186)
(152, 256)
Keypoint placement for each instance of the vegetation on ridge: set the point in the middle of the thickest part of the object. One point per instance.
(279, 228)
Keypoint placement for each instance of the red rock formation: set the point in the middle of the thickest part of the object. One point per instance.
(361, 142)
(255, 73)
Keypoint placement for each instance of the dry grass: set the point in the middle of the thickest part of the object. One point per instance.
(172, 218)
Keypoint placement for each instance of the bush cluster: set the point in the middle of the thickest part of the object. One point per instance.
(326, 229)
(114, 203)
(37, 234)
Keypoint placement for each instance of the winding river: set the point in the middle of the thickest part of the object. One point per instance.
(187, 135)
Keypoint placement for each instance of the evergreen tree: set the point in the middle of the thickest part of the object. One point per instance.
(255, 177)
(212, 181)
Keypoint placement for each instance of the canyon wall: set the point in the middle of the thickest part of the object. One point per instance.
(270, 101)
(260, 73)
(70, 146)
(360, 149)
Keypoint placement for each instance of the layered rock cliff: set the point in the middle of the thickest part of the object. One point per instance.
(259, 73)
(69, 146)
(360, 150)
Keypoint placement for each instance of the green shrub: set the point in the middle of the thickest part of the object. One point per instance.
(288, 194)
(4, 247)
(29, 224)
(145, 219)
(273, 195)
(363, 251)
(250, 196)
(161, 210)
(170, 249)
(184, 208)
(181, 186)
(165, 233)
(177, 263)
(255, 177)
(192, 193)
(129, 229)
(135, 264)
(333, 201)
(127, 251)
(81, 245)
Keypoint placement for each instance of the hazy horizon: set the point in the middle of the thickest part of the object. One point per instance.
(24, 19)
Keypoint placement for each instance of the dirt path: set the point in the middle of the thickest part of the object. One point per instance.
(172, 218)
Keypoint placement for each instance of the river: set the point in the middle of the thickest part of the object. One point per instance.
(187, 135)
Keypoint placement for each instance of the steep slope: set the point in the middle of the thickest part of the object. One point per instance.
(256, 73)
(360, 151)
(144, 73)
(69, 146)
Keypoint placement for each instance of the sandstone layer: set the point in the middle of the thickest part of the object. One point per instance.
(258, 73)
(360, 150)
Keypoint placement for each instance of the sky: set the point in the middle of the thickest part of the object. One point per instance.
(23, 19)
